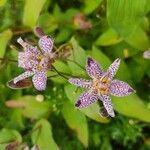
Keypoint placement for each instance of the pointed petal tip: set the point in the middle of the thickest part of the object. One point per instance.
(89, 61)
(78, 103)
(118, 60)
(131, 90)
(20, 40)
(112, 115)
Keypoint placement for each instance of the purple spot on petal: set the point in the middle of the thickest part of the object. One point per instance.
(130, 90)
(78, 103)
(89, 61)
(117, 60)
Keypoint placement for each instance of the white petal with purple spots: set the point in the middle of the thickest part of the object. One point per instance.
(93, 68)
(39, 80)
(80, 82)
(23, 76)
(27, 47)
(46, 44)
(113, 68)
(120, 88)
(26, 61)
(108, 105)
(86, 99)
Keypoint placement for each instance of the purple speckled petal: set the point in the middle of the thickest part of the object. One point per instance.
(80, 82)
(120, 88)
(39, 80)
(23, 76)
(26, 60)
(86, 99)
(46, 44)
(93, 68)
(27, 47)
(108, 105)
(113, 68)
(22, 59)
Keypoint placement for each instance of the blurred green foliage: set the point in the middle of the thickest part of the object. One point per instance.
(48, 119)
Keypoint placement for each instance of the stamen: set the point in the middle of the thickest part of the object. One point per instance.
(101, 85)
(40, 57)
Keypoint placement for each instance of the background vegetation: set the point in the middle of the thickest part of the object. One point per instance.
(108, 29)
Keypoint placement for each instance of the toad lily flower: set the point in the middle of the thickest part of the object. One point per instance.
(101, 86)
(36, 62)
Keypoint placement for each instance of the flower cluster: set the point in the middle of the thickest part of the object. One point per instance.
(36, 62)
(101, 86)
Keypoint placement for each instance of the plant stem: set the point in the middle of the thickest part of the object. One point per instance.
(76, 63)
(8, 59)
(59, 73)
(22, 31)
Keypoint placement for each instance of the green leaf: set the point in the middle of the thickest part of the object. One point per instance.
(57, 13)
(138, 39)
(92, 111)
(79, 57)
(76, 51)
(5, 36)
(147, 9)
(42, 136)
(63, 35)
(62, 68)
(64, 18)
(135, 68)
(34, 109)
(144, 24)
(132, 106)
(47, 22)
(17, 119)
(125, 15)
(7, 136)
(122, 50)
(2, 2)
(109, 37)
(32, 11)
(76, 121)
(90, 6)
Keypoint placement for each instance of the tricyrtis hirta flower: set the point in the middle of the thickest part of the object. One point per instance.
(36, 62)
(101, 86)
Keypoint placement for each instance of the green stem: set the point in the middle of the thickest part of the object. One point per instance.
(8, 59)
(59, 73)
